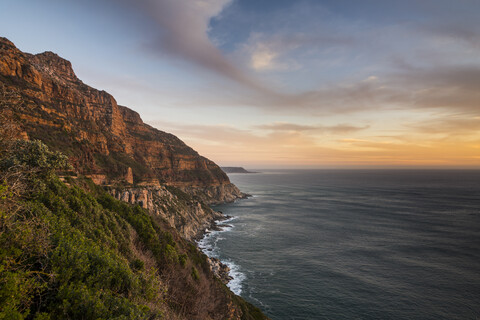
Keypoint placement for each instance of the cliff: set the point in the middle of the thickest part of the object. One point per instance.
(105, 141)
(69, 250)
(182, 211)
(110, 143)
(69, 247)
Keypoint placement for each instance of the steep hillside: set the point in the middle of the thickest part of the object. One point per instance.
(98, 209)
(105, 141)
(69, 250)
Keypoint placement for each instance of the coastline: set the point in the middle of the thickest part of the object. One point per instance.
(223, 270)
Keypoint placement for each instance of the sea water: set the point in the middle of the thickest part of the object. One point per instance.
(355, 244)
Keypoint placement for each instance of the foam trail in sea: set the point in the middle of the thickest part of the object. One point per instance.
(208, 245)
(238, 277)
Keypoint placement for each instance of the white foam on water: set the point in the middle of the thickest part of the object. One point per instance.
(238, 277)
(229, 228)
(208, 245)
(222, 222)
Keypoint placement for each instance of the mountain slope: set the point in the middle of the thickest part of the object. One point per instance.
(69, 250)
(108, 142)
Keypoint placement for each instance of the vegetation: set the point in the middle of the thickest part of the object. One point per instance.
(69, 250)
(116, 163)
(182, 196)
(63, 252)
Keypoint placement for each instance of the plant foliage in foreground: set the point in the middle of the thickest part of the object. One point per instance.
(69, 250)
(65, 253)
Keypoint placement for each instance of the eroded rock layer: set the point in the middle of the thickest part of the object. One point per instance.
(108, 142)
(183, 212)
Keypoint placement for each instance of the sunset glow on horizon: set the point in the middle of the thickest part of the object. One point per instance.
(280, 84)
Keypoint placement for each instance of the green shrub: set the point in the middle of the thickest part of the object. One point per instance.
(137, 264)
(170, 254)
(66, 253)
(33, 155)
(183, 259)
(195, 274)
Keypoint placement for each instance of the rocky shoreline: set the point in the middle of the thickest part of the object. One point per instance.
(219, 269)
(114, 153)
(193, 221)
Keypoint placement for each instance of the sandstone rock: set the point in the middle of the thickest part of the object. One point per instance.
(186, 214)
(110, 144)
(219, 269)
(129, 176)
(106, 141)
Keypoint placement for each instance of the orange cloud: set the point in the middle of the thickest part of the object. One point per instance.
(285, 148)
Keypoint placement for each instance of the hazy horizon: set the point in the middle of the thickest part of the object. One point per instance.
(365, 168)
(280, 84)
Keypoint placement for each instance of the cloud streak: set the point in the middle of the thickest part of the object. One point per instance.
(429, 80)
(292, 127)
(181, 31)
(271, 53)
(297, 148)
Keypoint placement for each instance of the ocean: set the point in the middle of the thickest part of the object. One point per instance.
(355, 244)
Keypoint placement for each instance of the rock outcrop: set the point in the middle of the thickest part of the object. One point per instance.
(183, 212)
(135, 163)
(220, 270)
(108, 142)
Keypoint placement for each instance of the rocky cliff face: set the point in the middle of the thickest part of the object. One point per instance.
(108, 142)
(135, 163)
(186, 214)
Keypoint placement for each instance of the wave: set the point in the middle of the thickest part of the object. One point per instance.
(208, 245)
(238, 277)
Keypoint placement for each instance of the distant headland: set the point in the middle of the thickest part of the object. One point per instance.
(236, 170)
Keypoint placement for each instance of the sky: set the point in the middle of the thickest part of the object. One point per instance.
(280, 83)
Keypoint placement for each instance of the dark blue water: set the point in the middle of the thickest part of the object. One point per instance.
(356, 244)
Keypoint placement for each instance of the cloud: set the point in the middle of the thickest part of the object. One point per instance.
(208, 134)
(229, 145)
(283, 51)
(263, 58)
(445, 88)
(333, 55)
(451, 127)
(350, 70)
(292, 127)
(234, 137)
(454, 33)
(181, 30)
(451, 87)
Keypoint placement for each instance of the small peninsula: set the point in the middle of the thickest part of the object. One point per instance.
(236, 170)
